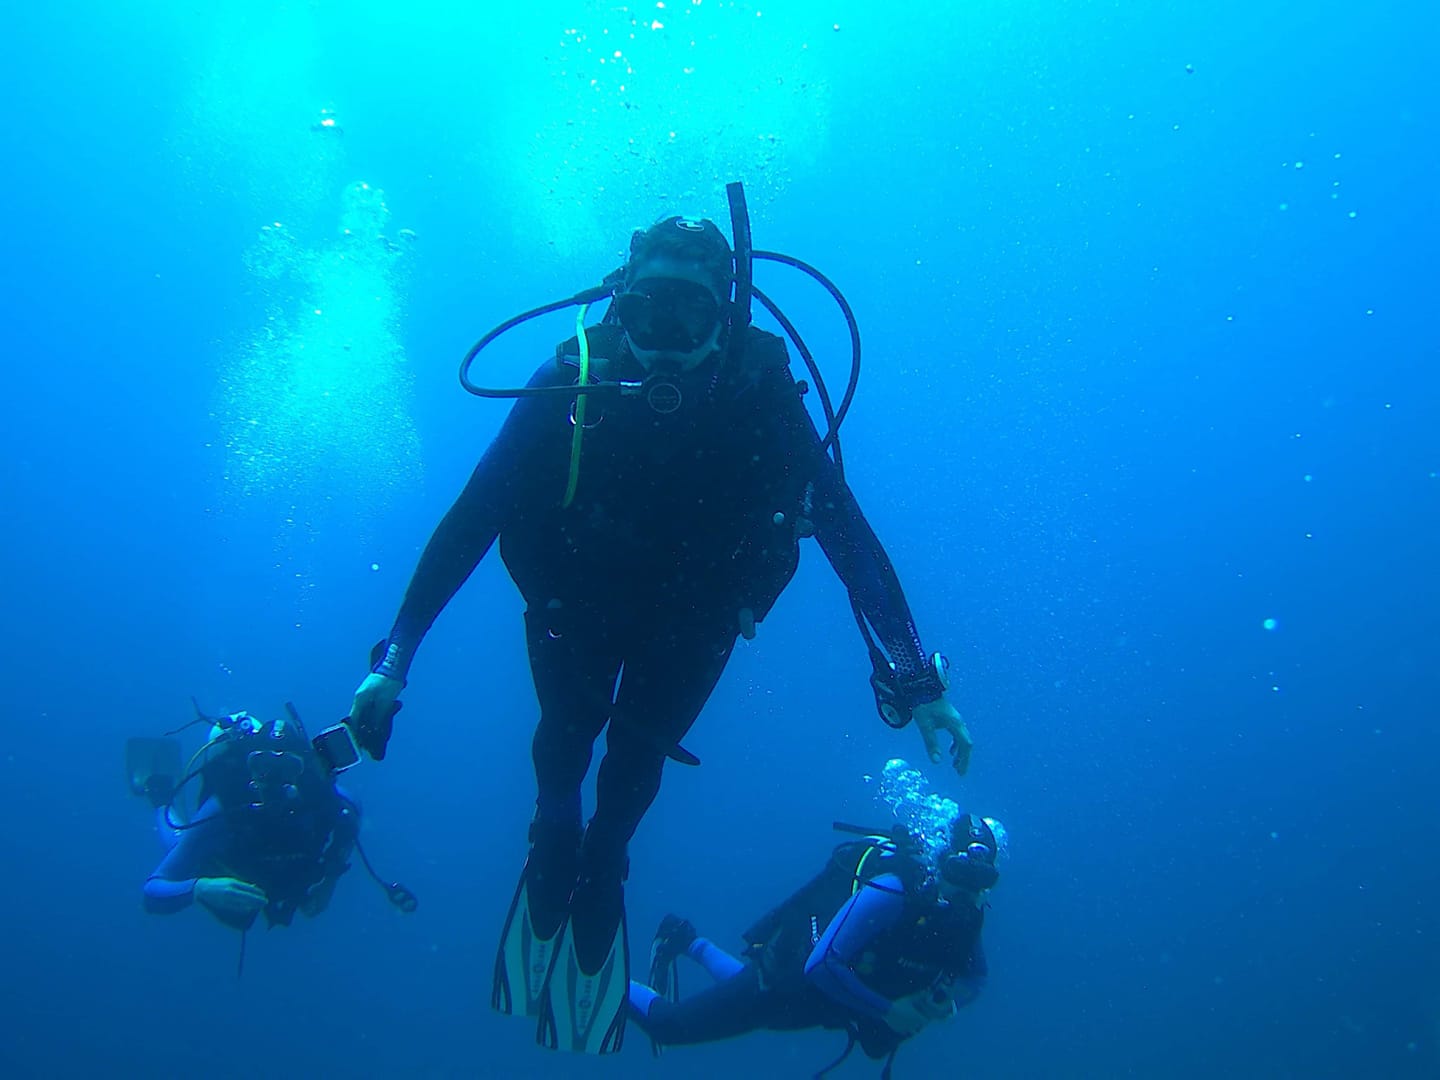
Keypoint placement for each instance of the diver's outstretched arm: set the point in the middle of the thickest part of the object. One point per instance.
(193, 851)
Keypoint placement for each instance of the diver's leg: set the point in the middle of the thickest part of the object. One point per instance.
(734, 1007)
(718, 963)
(666, 680)
(676, 937)
(665, 683)
(574, 660)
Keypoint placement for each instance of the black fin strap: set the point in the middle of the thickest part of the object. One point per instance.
(852, 1035)
(672, 994)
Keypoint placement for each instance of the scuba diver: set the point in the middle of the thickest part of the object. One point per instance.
(648, 491)
(272, 833)
(880, 944)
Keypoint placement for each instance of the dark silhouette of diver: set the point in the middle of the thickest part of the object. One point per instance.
(702, 470)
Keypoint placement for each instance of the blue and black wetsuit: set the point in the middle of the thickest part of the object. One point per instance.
(880, 946)
(297, 863)
(635, 592)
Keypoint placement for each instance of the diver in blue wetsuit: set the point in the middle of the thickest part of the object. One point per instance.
(878, 944)
(272, 833)
(640, 563)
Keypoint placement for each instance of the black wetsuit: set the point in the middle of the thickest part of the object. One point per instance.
(679, 522)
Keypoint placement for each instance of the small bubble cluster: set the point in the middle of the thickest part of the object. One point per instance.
(927, 816)
(314, 406)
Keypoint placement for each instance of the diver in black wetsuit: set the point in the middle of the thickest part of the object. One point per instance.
(638, 572)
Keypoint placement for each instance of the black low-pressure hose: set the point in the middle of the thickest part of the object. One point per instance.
(849, 396)
(744, 266)
(834, 417)
(832, 424)
(588, 296)
(185, 826)
(396, 893)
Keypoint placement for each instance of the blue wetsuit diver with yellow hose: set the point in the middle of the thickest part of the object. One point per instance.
(878, 944)
(640, 561)
(271, 834)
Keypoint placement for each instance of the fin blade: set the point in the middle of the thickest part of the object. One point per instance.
(585, 1012)
(153, 764)
(524, 960)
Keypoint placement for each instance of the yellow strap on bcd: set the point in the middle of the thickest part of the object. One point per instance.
(578, 416)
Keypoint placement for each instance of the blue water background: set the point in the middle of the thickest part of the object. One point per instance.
(1148, 302)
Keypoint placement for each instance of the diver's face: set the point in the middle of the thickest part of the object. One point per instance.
(967, 875)
(672, 315)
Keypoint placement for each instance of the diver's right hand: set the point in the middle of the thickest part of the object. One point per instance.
(933, 717)
(908, 1015)
(372, 714)
(230, 898)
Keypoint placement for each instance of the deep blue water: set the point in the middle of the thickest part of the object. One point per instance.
(1147, 294)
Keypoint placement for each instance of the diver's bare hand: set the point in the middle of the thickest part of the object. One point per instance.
(229, 897)
(939, 715)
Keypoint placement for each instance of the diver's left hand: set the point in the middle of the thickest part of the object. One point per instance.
(936, 1005)
(939, 715)
(909, 1015)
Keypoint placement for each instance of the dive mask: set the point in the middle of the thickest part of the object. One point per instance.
(972, 870)
(972, 867)
(668, 315)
